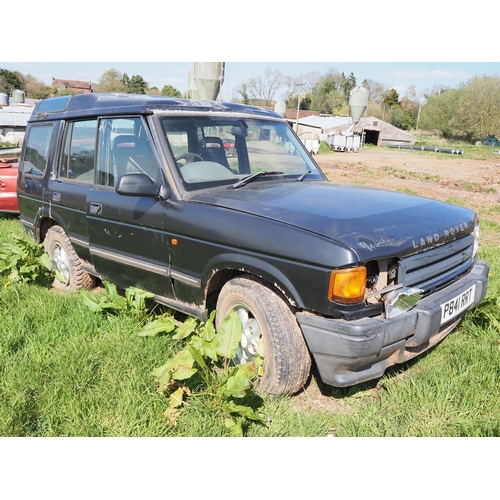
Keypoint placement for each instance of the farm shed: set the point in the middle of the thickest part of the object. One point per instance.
(375, 130)
(382, 133)
(379, 133)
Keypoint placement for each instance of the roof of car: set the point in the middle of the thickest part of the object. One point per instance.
(100, 104)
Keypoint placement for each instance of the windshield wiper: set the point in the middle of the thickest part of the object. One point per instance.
(251, 177)
(301, 178)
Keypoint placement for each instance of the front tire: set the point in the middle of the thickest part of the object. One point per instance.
(266, 317)
(66, 261)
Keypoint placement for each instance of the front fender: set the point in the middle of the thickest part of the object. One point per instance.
(282, 275)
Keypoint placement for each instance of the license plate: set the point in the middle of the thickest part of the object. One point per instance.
(457, 305)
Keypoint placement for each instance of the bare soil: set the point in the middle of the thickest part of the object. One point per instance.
(470, 180)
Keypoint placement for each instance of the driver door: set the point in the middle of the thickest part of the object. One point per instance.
(127, 237)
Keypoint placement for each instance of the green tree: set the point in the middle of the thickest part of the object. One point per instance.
(478, 109)
(305, 102)
(11, 80)
(327, 95)
(68, 92)
(244, 94)
(137, 85)
(111, 81)
(410, 106)
(391, 98)
(170, 91)
(348, 83)
(438, 111)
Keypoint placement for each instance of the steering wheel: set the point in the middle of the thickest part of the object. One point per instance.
(188, 158)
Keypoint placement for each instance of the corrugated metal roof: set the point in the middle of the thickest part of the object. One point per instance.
(325, 122)
(15, 116)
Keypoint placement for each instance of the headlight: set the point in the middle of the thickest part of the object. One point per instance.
(347, 286)
(476, 241)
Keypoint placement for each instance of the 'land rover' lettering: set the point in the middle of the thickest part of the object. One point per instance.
(433, 239)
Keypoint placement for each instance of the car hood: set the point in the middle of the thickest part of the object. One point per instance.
(371, 222)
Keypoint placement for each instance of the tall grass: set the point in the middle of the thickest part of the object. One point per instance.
(67, 372)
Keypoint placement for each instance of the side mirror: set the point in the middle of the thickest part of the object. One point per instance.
(141, 185)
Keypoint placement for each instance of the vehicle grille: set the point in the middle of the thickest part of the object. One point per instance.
(434, 268)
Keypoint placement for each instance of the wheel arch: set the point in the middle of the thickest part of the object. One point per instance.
(229, 266)
(44, 220)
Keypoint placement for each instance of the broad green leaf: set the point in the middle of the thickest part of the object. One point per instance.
(166, 324)
(197, 357)
(207, 331)
(186, 329)
(136, 298)
(240, 381)
(208, 349)
(161, 370)
(180, 364)
(113, 297)
(234, 428)
(182, 367)
(229, 336)
(164, 381)
(242, 411)
(90, 301)
(45, 261)
(196, 343)
(59, 276)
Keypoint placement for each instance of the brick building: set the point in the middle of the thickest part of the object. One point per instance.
(76, 85)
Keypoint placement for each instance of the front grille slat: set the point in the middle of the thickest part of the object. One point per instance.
(436, 266)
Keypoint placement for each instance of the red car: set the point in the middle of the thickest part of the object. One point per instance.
(8, 188)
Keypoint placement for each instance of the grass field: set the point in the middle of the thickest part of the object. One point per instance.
(65, 371)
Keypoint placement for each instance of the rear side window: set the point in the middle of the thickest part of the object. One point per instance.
(77, 162)
(37, 149)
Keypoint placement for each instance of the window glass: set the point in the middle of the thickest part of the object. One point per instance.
(77, 161)
(212, 151)
(124, 148)
(37, 149)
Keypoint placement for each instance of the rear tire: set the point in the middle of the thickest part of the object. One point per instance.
(265, 315)
(66, 261)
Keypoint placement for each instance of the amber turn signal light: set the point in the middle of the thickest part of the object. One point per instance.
(347, 286)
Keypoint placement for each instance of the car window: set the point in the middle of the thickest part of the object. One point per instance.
(211, 151)
(37, 149)
(124, 148)
(77, 161)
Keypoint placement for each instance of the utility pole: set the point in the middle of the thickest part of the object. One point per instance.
(298, 107)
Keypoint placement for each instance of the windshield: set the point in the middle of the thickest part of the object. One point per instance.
(216, 151)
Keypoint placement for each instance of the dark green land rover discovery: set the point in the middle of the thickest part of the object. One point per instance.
(213, 205)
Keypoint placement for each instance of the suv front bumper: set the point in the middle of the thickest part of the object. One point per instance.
(349, 352)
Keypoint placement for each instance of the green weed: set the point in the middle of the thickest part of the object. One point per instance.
(203, 371)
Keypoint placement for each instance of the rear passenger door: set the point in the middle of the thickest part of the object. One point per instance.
(128, 242)
(73, 180)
